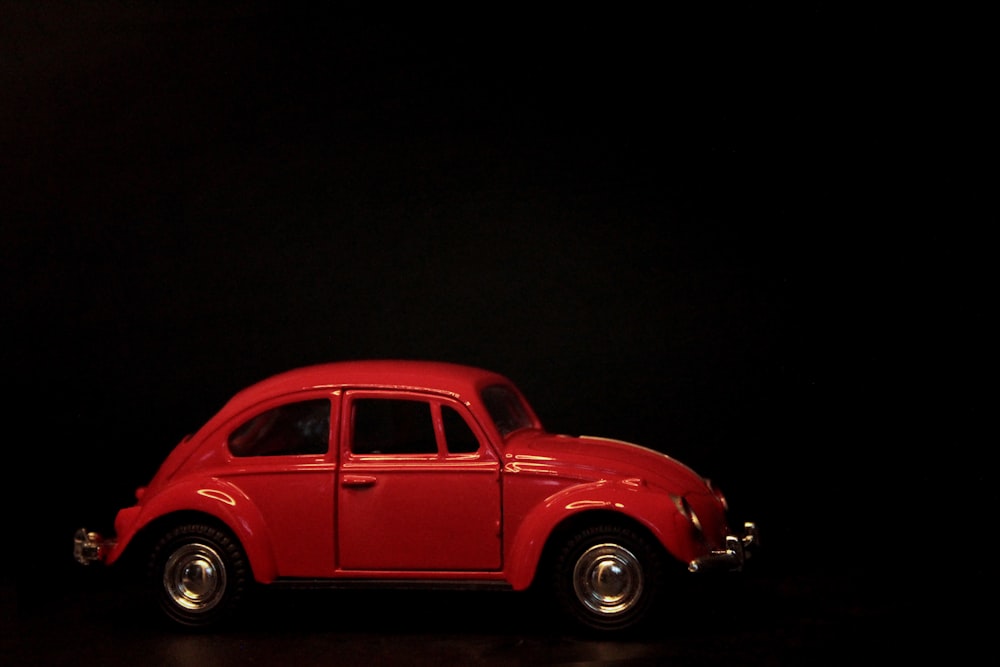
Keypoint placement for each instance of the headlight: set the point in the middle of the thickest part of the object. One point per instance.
(685, 508)
(719, 495)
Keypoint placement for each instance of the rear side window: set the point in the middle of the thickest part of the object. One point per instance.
(392, 426)
(294, 428)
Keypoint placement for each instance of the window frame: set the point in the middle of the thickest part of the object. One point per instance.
(244, 417)
(435, 402)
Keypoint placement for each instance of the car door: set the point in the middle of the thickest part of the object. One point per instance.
(418, 486)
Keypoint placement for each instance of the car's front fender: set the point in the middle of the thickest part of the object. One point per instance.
(630, 498)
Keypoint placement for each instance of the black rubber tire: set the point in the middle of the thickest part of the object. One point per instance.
(608, 578)
(199, 575)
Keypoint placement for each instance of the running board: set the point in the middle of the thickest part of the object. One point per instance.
(392, 584)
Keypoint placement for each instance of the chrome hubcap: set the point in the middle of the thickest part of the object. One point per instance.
(608, 579)
(195, 577)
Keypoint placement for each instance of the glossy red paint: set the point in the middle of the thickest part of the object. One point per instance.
(381, 471)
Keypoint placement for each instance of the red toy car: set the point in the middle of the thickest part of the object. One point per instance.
(406, 473)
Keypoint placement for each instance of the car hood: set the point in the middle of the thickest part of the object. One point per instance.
(588, 457)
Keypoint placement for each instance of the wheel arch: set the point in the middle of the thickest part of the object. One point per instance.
(246, 525)
(573, 524)
(577, 508)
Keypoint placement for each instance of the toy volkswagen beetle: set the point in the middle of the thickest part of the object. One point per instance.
(406, 473)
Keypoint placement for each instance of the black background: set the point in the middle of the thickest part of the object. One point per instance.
(710, 232)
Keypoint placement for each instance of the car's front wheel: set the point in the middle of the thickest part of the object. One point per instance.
(608, 578)
(199, 574)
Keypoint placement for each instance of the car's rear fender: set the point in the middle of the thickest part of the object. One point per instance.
(622, 497)
(218, 499)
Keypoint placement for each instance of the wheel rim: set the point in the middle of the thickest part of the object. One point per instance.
(608, 579)
(194, 577)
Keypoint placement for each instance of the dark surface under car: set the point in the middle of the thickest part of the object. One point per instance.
(773, 618)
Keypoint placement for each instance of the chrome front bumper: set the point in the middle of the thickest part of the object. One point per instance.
(90, 547)
(737, 551)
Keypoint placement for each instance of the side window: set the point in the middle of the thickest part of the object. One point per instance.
(460, 438)
(392, 426)
(295, 428)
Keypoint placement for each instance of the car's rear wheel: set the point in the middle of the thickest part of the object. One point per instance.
(199, 574)
(608, 578)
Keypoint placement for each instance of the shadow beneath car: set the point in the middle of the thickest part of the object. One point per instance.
(763, 618)
(691, 606)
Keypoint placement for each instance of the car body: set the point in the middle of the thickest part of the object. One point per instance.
(404, 473)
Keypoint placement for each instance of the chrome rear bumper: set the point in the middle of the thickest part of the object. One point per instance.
(737, 551)
(90, 547)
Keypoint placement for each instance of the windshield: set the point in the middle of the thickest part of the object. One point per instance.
(506, 409)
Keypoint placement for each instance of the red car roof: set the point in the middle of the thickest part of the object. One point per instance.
(431, 375)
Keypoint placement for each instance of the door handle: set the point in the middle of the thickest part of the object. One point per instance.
(357, 481)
